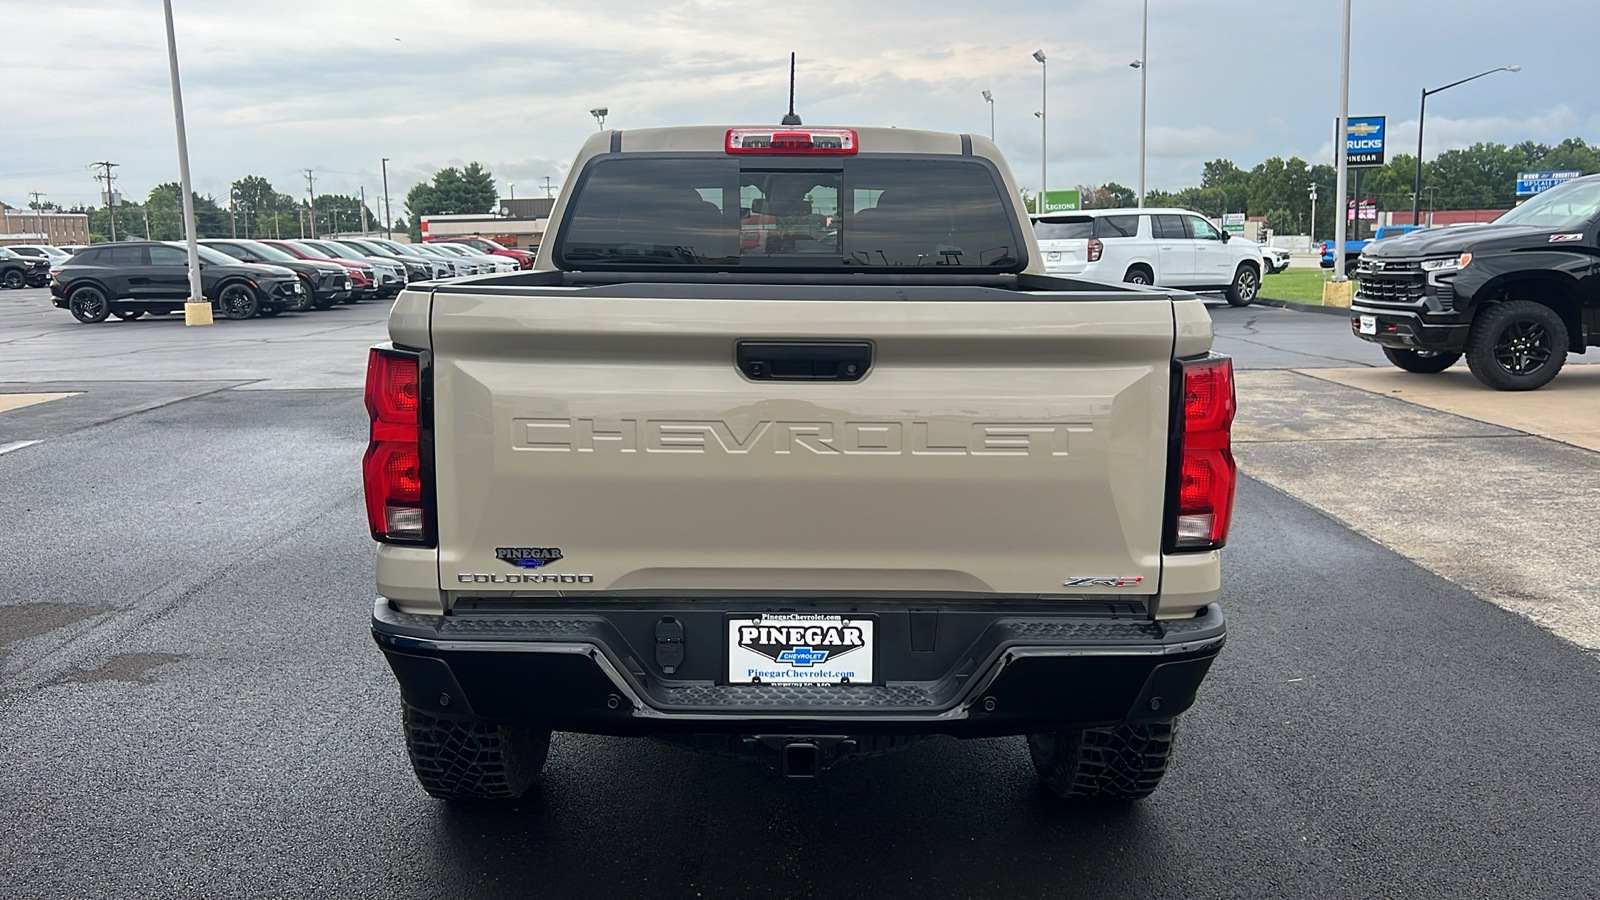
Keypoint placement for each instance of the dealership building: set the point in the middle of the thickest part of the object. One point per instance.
(30, 226)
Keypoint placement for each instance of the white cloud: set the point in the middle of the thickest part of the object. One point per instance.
(313, 84)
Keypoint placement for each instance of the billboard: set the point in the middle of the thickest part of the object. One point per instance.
(1062, 201)
(1530, 183)
(1363, 140)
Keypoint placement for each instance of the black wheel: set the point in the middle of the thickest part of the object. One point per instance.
(1116, 762)
(306, 299)
(468, 759)
(239, 301)
(89, 305)
(1425, 361)
(1139, 275)
(1246, 284)
(14, 279)
(324, 303)
(130, 315)
(1517, 345)
(352, 299)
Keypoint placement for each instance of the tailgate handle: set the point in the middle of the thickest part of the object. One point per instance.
(804, 360)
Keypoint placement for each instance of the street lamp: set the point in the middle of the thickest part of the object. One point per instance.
(1416, 186)
(196, 311)
(989, 98)
(1044, 129)
(600, 113)
(1144, 84)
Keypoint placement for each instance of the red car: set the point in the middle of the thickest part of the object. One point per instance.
(363, 283)
(523, 257)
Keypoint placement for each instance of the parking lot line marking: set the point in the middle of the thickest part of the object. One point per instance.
(9, 402)
(16, 445)
(1561, 411)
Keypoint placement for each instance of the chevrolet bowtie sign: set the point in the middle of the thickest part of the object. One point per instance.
(1363, 141)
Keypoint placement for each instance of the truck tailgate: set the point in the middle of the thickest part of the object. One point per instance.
(993, 447)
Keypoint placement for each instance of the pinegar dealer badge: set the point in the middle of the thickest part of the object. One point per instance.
(528, 557)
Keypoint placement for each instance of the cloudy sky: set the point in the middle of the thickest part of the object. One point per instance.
(272, 88)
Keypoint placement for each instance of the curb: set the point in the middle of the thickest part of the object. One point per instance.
(1305, 307)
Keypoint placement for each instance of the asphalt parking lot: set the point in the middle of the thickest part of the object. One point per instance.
(191, 705)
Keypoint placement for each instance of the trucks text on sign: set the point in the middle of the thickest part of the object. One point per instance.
(1363, 140)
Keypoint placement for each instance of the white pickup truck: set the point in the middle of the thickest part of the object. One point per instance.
(787, 446)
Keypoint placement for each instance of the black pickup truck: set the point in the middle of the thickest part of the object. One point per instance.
(1514, 296)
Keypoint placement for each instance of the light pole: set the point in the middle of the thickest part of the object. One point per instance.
(1341, 145)
(989, 98)
(600, 113)
(1416, 186)
(387, 227)
(196, 311)
(1313, 214)
(1044, 130)
(1143, 65)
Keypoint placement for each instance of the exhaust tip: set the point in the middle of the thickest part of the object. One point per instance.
(800, 759)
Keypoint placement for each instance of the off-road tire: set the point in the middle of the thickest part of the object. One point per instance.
(89, 305)
(1138, 275)
(238, 301)
(1426, 362)
(14, 279)
(1117, 762)
(469, 759)
(1517, 345)
(1246, 285)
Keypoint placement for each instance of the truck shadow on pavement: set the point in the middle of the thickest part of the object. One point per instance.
(620, 818)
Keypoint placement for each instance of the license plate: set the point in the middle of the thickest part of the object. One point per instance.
(1369, 324)
(1053, 256)
(794, 648)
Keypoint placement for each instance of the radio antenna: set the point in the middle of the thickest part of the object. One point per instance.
(791, 119)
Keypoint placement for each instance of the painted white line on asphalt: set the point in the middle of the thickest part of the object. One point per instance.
(16, 445)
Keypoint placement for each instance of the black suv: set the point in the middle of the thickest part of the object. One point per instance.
(324, 283)
(132, 278)
(18, 271)
(1514, 296)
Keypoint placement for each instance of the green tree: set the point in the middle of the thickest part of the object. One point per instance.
(339, 213)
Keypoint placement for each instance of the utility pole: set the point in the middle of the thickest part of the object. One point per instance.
(363, 210)
(388, 223)
(233, 223)
(547, 194)
(311, 199)
(111, 194)
(147, 224)
(38, 214)
(1313, 214)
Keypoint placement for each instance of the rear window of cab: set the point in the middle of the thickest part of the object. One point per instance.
(860, 213)
(1066, 228)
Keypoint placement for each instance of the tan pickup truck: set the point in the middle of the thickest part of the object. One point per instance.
(787, 446)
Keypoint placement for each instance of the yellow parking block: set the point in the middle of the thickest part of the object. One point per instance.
(8, 402)
(1566, 410)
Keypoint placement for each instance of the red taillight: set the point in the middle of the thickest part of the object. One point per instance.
(802, 141)
(392, 469)
(1095, 249)
(1206, 471)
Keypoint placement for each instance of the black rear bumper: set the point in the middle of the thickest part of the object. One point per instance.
(992, 674)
